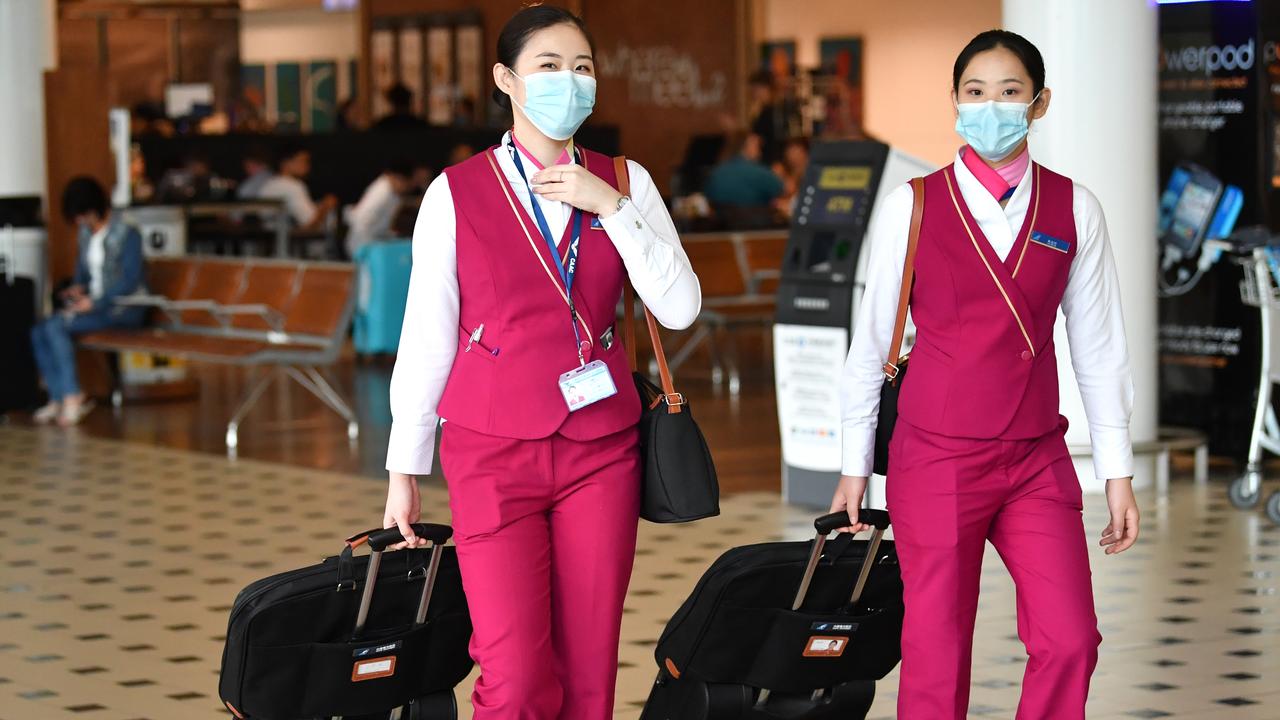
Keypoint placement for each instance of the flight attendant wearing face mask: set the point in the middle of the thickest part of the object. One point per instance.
(520, 254)
(978, 452)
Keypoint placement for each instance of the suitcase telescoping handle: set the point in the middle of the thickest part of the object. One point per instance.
(827, 524)
(378, 540)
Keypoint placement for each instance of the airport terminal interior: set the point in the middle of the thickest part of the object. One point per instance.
(273, 157)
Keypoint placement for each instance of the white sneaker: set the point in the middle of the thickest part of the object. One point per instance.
(48, 413)
(72, 414)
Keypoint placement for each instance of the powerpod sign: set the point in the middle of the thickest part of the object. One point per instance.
(1209, 59)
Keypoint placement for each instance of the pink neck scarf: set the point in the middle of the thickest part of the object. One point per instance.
(566, 155)
(1000, 182)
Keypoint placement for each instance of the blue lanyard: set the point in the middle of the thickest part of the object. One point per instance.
(568, 268)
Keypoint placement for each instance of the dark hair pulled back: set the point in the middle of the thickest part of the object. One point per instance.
(1028, 53)
(515, 35)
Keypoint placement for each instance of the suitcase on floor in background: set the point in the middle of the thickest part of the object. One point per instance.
(352, 637)
(383, 290)
(794, 631)
(20, 389)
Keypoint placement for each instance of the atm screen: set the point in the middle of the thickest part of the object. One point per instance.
(840, 195)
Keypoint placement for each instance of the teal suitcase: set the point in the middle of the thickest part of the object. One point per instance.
(383, 276)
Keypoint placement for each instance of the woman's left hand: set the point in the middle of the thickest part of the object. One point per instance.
(1122, 532)
(573, 184)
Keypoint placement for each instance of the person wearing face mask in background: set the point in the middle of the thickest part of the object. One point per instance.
(519, 257)
(978, 451)
(109, 265)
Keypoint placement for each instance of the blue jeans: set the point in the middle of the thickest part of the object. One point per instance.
(52, 340)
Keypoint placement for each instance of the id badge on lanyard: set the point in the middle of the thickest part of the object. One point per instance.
(590, 382)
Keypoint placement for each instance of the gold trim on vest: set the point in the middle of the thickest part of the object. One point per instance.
(506, 191)
(978, 249)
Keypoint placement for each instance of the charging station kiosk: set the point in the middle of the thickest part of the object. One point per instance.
(822, 280)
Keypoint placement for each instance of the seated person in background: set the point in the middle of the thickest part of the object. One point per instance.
(108, 266)
(257, 171)
(288, 185)
(410, 202)
(741, 180)
(191, 181)
(795, 157)
(400, 97)
(371, 218)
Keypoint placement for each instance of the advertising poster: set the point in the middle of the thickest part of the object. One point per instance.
(808, 400)
(1214, 180)
(441, 89)
(471, 80)
(288, 97)
(382, 59)
(322, 95)
(411, 64)
(842, 76)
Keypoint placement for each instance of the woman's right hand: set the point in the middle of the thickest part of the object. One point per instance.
(848, 497)
(404, 507)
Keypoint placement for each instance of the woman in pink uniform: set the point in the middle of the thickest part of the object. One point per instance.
(978, 452)
(519, 256)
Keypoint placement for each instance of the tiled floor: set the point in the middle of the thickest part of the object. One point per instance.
(119, 561)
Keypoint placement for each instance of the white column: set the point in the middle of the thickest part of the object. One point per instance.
(1100, 57)
(26, 51)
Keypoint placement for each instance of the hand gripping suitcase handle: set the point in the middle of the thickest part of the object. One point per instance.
(825, 525)
(877, 519)
(380, 538)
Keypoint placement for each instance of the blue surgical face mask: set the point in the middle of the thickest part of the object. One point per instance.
(993, 129)
(557, 103)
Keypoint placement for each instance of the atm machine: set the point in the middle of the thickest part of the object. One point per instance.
(822, 281)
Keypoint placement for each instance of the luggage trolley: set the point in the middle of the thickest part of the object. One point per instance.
(1260, 288)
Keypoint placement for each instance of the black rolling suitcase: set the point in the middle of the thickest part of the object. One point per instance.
(795, 631)
(21, 387)
(352, 637)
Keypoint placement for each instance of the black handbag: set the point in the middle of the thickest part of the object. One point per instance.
(679, 477)
(895, 365)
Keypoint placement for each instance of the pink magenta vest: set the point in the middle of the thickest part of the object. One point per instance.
(507, 384)
(983, 365)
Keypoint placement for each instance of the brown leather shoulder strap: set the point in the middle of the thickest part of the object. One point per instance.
(675, 400)
(908, 274)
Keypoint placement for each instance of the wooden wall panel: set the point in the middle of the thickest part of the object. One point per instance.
(209, 51)
(138, 51)
(75, 116)
(668, 70)
(78, 42)
(147, 47)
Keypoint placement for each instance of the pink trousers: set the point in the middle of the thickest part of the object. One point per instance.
(948, 497)
(546, 537)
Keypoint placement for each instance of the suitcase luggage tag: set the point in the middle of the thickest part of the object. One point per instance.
(588, 384)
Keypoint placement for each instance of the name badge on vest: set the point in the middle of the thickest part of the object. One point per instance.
(588, 384)
(1050, 242)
